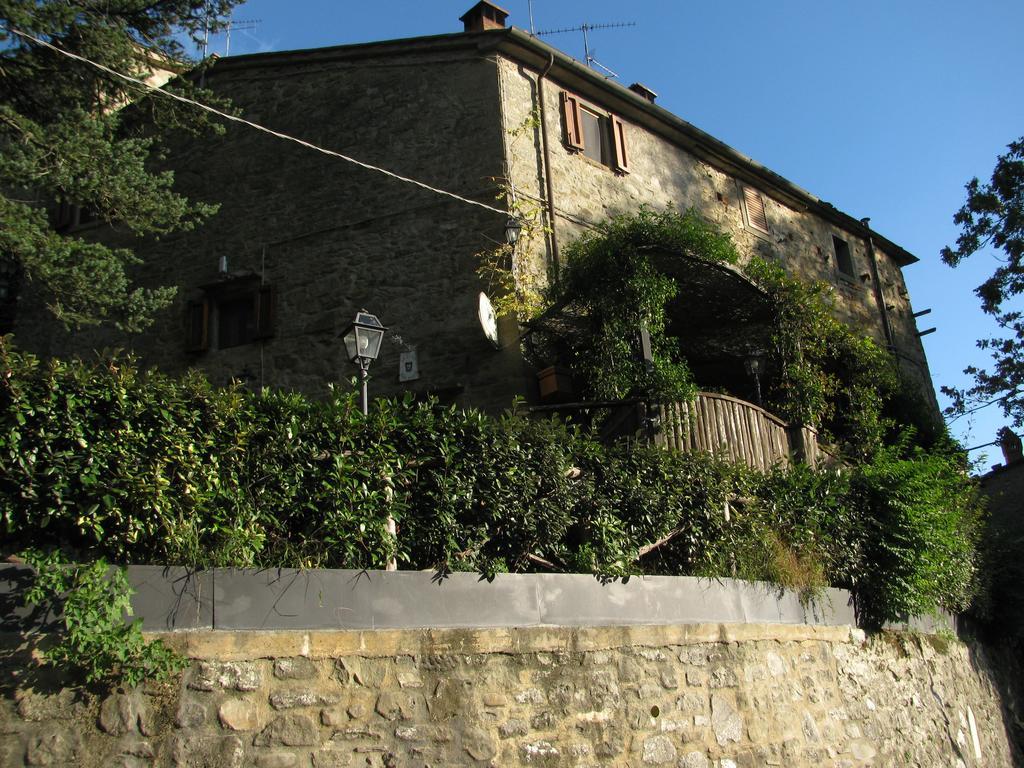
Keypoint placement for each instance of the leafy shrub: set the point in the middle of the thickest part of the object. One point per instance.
(922, 523)
(104, 460)
(107, 460)
(799, 530)
(94, 600)
(489, 495)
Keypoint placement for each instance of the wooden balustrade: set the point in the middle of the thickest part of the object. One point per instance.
(737, 431)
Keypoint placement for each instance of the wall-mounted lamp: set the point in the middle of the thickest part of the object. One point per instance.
(513, 228)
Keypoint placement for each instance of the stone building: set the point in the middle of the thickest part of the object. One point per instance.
(1003, 489)
(302, 241)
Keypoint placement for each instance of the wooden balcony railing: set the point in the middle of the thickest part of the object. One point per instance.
(736, 431)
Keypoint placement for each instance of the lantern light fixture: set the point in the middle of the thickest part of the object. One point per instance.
(363, 339)
(513, 228)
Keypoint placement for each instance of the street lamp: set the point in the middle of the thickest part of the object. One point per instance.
(363, 338)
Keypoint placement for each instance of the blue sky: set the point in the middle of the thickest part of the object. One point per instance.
(885, 109)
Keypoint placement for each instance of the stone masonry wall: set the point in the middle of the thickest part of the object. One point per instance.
(330, 237)
(698, 696)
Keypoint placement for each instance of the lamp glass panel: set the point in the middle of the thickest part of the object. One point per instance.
(512, 230)
(369, 340)
(350, 343)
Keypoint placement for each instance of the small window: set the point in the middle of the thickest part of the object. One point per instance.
(69, 217)
(596, 136)
(232, 313)
(844, 260)
(595, 133)
(754, 215)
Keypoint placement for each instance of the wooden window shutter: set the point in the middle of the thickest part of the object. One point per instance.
(621, 159)
(573, 121)
(197, 337)
(264, 312)
(756, 216)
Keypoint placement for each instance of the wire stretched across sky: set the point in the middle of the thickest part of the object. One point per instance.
(256, 126)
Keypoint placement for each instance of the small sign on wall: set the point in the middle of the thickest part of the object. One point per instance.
(408, 366)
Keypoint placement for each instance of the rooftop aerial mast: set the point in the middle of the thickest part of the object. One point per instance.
(229, 25)
(585, 29)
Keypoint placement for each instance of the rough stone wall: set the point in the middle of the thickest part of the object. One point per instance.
(701, 696)
(331, 237)
(666, 176)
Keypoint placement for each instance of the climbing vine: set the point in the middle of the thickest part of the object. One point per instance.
(819, 371)
(610, 287)
(822, 372)
(98, 641)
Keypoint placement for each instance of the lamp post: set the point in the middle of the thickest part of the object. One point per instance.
(363, 338)
(754, 365)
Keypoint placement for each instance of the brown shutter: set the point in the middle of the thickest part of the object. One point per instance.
(198, 326)
(756, 217)
(264, 312)
(573, 121)
(621, 159)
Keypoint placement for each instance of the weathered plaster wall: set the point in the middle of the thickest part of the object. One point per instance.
(698, 696)
(332, 237)
(666, 176)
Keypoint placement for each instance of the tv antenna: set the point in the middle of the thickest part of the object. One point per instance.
(241, 25)
(586, 29)
(230, 24)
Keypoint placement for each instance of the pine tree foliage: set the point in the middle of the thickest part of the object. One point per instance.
(72, 134)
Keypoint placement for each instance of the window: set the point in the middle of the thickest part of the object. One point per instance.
(754, 216)
(595, 133)
(233, 313)
(596, 144)
(68, 217)
(844, 260)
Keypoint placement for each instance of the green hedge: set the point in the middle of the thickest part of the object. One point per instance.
(105, 460)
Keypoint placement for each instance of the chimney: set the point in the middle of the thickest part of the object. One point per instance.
(1011, 445)
(484, 15)
(643, 90)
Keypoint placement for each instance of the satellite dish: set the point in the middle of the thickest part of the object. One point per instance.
(488, 320)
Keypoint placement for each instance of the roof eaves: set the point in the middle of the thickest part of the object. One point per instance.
(401, 46)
